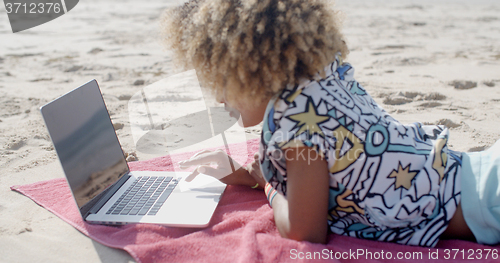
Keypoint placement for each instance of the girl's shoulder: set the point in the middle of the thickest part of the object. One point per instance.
(335, 94)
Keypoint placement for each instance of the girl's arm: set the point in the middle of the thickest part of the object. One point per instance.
(303, 215)
(248, 175)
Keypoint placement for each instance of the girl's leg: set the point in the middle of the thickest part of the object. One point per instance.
(457, 228)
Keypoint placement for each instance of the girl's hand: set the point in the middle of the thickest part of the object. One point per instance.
(223, 171)
(253, 169)
(204, 159)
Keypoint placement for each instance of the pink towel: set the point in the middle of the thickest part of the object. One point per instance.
(242, 230)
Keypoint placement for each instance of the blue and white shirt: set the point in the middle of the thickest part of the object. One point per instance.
(388, 181)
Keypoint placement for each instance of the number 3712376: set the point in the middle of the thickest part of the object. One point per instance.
(33, 8)
(470, 253)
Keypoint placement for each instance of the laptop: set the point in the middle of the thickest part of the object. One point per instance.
(104, 189)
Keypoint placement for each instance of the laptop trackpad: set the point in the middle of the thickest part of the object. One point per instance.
(202, 183)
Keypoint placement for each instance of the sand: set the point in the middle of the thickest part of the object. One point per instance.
(437, 62)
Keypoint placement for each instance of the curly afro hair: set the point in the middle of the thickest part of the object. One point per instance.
(254, 48)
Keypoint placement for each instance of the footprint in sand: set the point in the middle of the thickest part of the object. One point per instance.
(431, 104)
(5, 74)
(16, 144)
(477, 149)
(124, 97)
(401, 98)
(489, 83)
(448, 123)
(435, 96)
(73, 68)
(396, 100)
(463, 85)
(95, 50)
(138, 82)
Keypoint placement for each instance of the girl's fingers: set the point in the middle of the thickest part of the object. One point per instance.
(198, 153)
(214, 172)
(204, 158)
(201, 159)
(190, 177)
(182, 164)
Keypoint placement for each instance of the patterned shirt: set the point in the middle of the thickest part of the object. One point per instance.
(388, 181)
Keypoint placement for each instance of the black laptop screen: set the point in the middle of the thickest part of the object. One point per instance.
(85, 141)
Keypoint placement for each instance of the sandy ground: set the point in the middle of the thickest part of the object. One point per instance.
(428, 61)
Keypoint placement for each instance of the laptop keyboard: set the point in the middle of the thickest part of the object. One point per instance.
(145, 196)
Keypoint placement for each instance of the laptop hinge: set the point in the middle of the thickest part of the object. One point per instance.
(106, 195)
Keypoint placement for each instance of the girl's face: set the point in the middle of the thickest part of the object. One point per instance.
(251, 113)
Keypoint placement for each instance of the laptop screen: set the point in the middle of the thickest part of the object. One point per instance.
(85, 141)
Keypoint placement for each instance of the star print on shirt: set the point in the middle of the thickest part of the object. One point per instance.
(309, 120)
(403, 177)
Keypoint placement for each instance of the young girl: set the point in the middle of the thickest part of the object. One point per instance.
(330, 158)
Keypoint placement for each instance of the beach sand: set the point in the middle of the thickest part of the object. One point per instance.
(436, 62)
